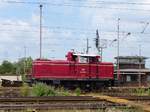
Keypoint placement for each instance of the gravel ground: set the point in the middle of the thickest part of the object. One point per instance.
(106, 110)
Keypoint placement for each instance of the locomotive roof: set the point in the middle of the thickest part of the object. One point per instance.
(86, 55)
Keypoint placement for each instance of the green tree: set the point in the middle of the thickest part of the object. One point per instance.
(6, 67)
(28, 61)
(24, 66)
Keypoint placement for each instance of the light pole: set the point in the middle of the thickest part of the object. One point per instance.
(118, 46)
(41, 6)
(112, 41)
(140, 62)
(25, 60)
(87, 46)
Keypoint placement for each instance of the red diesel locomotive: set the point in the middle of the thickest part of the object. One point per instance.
(79, 70)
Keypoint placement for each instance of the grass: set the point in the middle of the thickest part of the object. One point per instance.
(25, 90)
(78, 91)
(61, 91)
(41, 89)
(140, 91)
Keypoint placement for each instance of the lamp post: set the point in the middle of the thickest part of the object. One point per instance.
(24, 75)
(118, 46)
(112, 41)
(140, 66)
(87, 46)
(41, 6)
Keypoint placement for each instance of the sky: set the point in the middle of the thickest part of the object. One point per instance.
(68, 23)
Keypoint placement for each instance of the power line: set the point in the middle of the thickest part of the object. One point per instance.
(83, 6)
(58, 31)
(115, 2)
(49, 27)
(97, 2)
(63, 29)
(66, 27)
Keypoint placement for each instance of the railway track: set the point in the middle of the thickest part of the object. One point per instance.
(136, 98)
(143, 100)
(57, 102)
(10, 101)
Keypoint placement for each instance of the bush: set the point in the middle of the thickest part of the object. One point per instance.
(140, 91)
(41, 89)
(148, 91)
(63, 92)
(77, 91)
(51, 91)
(25, 90)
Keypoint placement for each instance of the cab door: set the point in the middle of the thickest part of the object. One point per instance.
(93, 68)
(73, 71)
(82, 68)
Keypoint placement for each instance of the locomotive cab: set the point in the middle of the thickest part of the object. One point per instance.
(83, 58)
(87, 59)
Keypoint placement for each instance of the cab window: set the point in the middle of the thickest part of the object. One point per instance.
(83, 59)
(93, 60)
(75, 58)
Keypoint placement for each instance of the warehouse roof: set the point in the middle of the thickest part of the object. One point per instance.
(87, 55)
(131, 57)
(134, 70)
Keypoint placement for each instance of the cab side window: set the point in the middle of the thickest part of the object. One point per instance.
(75, 58)
(93, 60)
(83, 59)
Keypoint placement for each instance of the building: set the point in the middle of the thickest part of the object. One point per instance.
(133, 71)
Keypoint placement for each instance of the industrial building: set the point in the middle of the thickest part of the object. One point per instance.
(132, 71)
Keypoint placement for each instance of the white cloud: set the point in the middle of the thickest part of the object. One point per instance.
(26, 32)
(105, 19)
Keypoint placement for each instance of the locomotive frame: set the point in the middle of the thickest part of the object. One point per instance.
(79, 70)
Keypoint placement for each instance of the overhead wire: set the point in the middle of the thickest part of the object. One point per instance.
(84, 6)
(67, 30)
(115, 2)
(90, 6)
(97, 1)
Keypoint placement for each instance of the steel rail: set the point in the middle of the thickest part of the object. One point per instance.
(55, 102)
(48, 99)
(101, 105)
